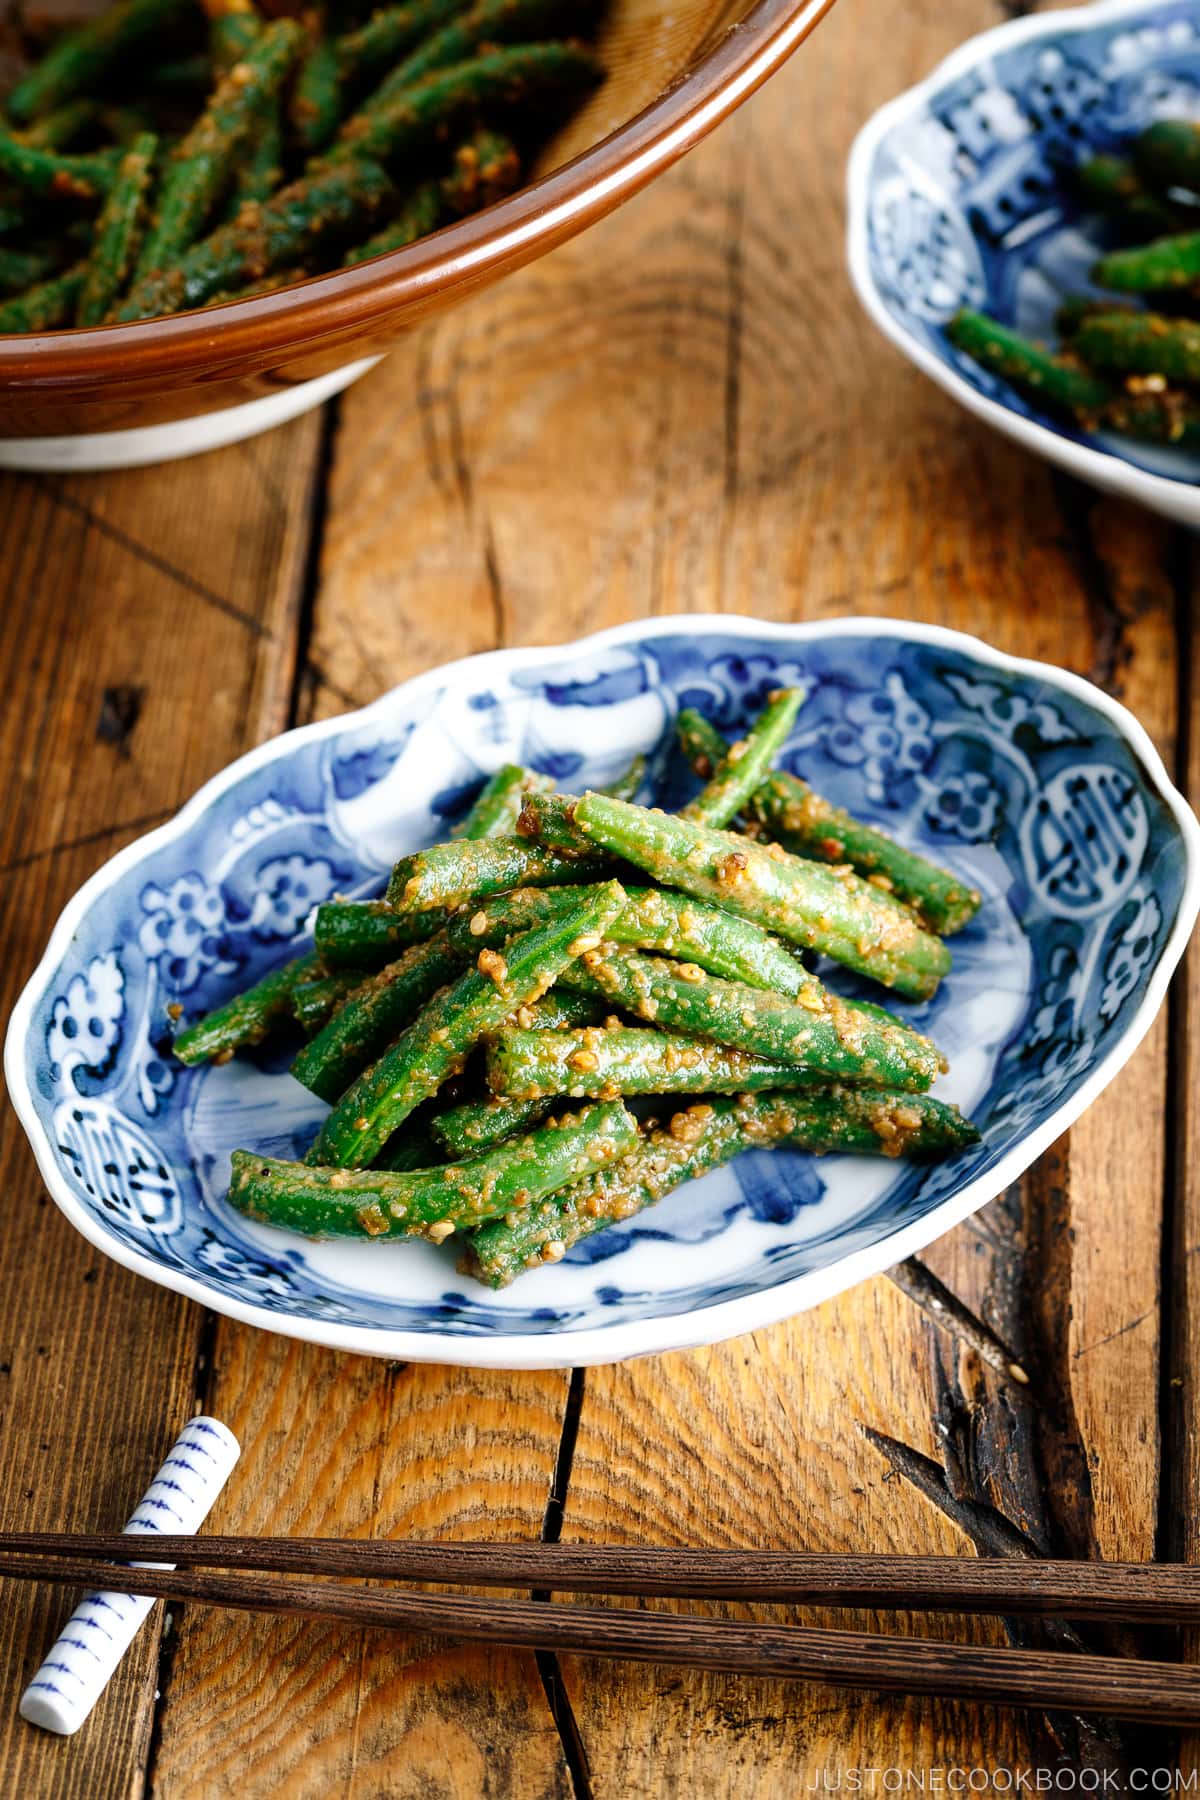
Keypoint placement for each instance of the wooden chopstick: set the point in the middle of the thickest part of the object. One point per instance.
(1156, 1693)
(1129, 1593)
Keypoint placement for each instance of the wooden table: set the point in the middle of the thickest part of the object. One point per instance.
(682, 410)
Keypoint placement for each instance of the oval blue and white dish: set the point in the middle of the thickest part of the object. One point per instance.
(1043, 792)
(957, 198)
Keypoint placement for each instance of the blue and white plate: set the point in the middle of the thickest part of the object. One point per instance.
(1042, 791)
(957, 198)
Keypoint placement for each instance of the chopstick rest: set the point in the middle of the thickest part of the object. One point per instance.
(103, 1625)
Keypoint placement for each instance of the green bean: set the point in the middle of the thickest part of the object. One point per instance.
(436, 1045)
(118, 232)
(1167, 154)
(246, 1019)
(1062, 384)
(495, 811)
(57, 130)
(830, 1121)
(21, 269)
(1156, 416)
(81, 59)
(550, 819)
(259, 169)
(1111, 184)
(479, 1124)
(1142, 344)
(487, 23)
(46, 306)
(820, 1032)
(431, 1203)
(449, 874)
(1170, 262)
(416, 115)
(314, 1000)
(422, 212)
(202, 163)
(233, 30)
(388, 33)
(605, 1061)
(329, 203)
(744, 766)
(830, 910)
(1071, 314)
(316, 101)
(808, 825)
(626, 785)
(653, 919)
(373, 1016)
(485, 168)
(412, 1147)
(369, 934)
(57, 174)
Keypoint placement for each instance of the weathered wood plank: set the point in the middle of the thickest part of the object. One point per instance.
(121, 587)
(768, 454)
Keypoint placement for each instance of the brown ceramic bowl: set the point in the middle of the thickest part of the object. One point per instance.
(676, 68)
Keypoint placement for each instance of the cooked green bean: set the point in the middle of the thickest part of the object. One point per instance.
(1158, 416)
(449, 874)
(1112, 185)
(202, 163)
(808, 825)
(830, 910)
(830, 1121)
(485, 168)
(1061, 383)
(1167, 154)
(626, 785)
(259, 169)
(368, 934)
(745, 764)
(1142, 344)
(422, 212)
(330, 203)
(82, 58)
(314, 1000)
(1170, 262)
(388, 33)
(316, 103)
(819, 1032)
(436, 1045)
(57, 174)
(58, 130)
(118, 231)
(373, 1016)
(432, 1203)
(416, 115)
(22, 269)
(484, 25)
(46, 306)
(606, 1061)
(478, 1124)
(653, 919)
(550, 820)
(495, 811)
(246, 1019)
(233, 30)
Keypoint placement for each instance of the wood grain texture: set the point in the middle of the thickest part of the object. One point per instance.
(347, 1446)
(714, 426)
(110, 589)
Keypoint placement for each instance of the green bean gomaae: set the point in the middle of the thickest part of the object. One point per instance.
(139, 182)
(1128, 364)
(478, 1032)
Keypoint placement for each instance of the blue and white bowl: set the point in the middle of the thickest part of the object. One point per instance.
(957, 198)
(1043, 792)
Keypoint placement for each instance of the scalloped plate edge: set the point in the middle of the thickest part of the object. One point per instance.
(680, 1331)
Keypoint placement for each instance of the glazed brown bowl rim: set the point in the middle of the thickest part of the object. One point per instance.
(222, 341)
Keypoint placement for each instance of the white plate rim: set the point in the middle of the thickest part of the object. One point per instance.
(677, 1331)
(1176, 499)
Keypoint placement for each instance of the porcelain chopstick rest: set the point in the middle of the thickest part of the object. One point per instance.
(100, 1630)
